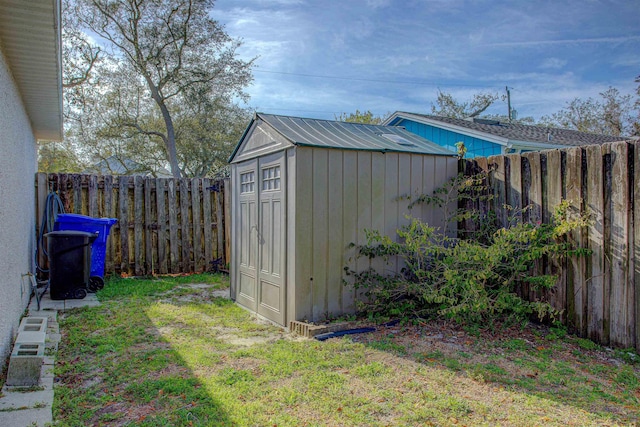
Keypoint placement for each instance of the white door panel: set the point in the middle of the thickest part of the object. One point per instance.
(261, 236)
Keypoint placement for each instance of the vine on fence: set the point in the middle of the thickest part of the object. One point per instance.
(472, 280)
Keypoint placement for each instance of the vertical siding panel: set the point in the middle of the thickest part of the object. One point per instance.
(336, 244)
(320, 232)
(350, 222)
(227, 220)
(220, 229)
(304, 217)
(404, 188)
(621, 289)
(428, 186)
(391, 202)
(290, 189)
(556, 266)
(576, 288)
(364, 208)
(377, 206)
(416, 182)
(446, 169)
(595, 262)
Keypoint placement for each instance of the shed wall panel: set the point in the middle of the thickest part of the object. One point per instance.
(304, 239)
(320, 230)
(339, 194)
(335, 243)
(349, 192)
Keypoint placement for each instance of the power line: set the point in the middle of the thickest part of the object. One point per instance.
(319, 76)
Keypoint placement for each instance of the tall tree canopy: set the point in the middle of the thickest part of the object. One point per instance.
(447, 106)
(159, 83)
(612, 114)
(366, 117)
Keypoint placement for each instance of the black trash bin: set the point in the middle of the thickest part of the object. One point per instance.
(69, 263)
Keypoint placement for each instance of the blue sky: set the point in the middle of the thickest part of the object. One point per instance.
(388, 55)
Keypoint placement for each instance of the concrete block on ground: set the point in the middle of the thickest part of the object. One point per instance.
(25, 364)
(31, 417)
(33, 324)
(19, 400)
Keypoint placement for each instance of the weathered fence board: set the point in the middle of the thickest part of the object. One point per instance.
(197, 225)
(598, 294)
(594, 202)
(164, 225)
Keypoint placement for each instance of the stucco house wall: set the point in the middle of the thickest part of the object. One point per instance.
(30, 111)
(17, 212)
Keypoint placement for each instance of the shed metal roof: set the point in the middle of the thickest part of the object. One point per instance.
(512, 132)
(348, 136)
(30, 40)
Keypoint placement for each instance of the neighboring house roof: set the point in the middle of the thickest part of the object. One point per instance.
(30, 39)
(347, 136)
(507, 134)
(114, 165)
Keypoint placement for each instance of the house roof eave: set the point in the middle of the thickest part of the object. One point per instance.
(31, 42)
(398, 116)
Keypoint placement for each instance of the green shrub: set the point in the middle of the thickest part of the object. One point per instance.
(471, 280)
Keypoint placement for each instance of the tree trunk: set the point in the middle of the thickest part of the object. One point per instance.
(170, 141)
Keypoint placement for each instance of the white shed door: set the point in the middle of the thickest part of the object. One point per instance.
(261, 235)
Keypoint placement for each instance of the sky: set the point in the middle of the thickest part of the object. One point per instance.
(321, 58)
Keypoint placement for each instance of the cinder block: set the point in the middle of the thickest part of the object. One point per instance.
(31, 337)
(34, 323)
(25, 364)
(32, 330)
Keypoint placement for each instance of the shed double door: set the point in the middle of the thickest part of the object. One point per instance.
(261, 235)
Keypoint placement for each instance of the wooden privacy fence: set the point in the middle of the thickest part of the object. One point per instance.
(164, 225)
(599, 293)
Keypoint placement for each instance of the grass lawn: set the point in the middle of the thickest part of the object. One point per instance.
(170, 352)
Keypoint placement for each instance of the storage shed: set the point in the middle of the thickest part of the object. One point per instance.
(303, 190)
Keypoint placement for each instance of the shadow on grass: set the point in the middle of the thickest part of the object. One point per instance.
(114, 367)
(562, 369)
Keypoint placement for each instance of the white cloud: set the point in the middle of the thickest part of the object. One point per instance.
(553, 63)
(386, 55)
(590, 40)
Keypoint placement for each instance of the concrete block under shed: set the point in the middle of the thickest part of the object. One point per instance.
(25, 364)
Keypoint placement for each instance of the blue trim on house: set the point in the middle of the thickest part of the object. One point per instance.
(476, 147)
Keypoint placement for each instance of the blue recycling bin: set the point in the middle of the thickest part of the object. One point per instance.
(101, 226)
